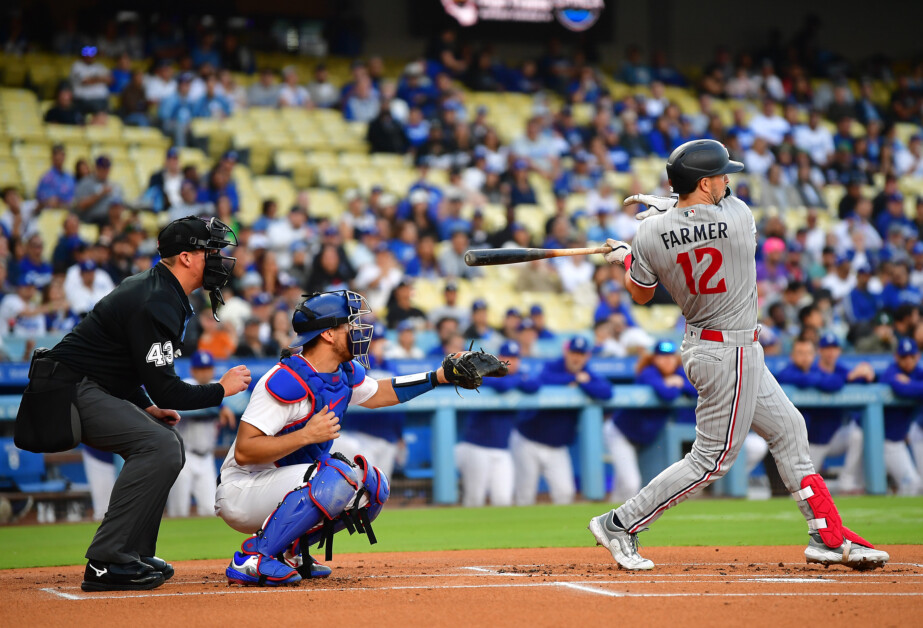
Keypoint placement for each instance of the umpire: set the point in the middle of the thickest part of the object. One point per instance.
(107, 383)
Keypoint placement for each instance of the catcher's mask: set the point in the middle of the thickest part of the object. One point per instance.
(326, 310)
(211, 235)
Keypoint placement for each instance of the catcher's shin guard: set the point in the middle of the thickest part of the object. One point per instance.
(329, 487)
(826, 522)
(359, 513)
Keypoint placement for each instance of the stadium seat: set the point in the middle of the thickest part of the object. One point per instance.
(324, 204)
(275, 187)
(24, 470)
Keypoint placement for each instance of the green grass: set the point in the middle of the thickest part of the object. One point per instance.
(885, 520)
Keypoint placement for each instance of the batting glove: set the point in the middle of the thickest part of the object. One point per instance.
(619, 251)
(655, 204)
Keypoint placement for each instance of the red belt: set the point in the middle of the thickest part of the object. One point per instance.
(717, 336)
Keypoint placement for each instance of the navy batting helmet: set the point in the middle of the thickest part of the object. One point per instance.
(326, 310)
(696, 160)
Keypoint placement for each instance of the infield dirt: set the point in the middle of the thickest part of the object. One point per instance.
(692, 586)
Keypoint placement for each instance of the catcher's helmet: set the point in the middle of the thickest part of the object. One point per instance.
(326, 310)
(696, 160)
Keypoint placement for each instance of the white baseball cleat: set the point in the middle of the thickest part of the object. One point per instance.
(621, 544)
(850, 554)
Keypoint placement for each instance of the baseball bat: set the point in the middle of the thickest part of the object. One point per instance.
(494, 257)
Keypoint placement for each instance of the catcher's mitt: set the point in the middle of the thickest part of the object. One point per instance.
(468, 368)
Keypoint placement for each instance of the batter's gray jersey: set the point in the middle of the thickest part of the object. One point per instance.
(705, 256)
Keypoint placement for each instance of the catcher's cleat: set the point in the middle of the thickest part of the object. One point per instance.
(850, 554)
(133, 576)
(306, 569)
(159, 564)
(259, 570)
(621, 544)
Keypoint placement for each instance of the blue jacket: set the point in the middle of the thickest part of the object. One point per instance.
(642, 425)
(899, 418)
(822, 423)
(557, 428)
(492, 428)
(861, 305)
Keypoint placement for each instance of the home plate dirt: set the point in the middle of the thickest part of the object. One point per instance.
(523, 587)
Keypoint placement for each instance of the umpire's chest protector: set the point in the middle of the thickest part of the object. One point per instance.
(295, 381)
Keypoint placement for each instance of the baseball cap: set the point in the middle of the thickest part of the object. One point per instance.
(513, 312)
(479, 304)
(88, 51)
(509, 348)
(527, 323)
(451, 286)
(917, 248)
(610, 286)
(261, 298)
(535, 310)
(331, 231)
(405, 325)
(182, 235)
(579, 344)
(520, 164)
(185, 77)
(773, 245)
(231, 155)
(26, 280)
(351, 195)
(87, 266)
(907, 346)
(828, 340)
(202, 359)
(419, 196)
(864, 269)
(251, 279)
(103, 162)
(172, 152)
(378, 330)
(883, 318)
(665, 347)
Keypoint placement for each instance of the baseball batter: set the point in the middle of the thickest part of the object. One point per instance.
(702, 248)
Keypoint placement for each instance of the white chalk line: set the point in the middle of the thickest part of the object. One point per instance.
(585, 587)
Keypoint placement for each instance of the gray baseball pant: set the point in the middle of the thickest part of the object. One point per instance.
(154, 456)
(736, 391)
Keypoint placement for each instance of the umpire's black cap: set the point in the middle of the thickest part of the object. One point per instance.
(186, 234)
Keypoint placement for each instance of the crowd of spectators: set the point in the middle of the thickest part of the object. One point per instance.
(850, 279)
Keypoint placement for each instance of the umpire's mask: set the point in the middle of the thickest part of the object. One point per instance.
(211, 235)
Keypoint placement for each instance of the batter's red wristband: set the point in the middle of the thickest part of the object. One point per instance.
(628, 262)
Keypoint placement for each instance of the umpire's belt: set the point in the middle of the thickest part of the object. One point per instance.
(733, 338)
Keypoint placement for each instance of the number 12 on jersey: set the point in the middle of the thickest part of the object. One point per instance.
(714, 265)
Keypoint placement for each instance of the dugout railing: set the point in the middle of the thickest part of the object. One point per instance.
(440, 409)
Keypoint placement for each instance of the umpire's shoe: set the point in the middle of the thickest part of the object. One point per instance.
(133, 576)
(159, 564)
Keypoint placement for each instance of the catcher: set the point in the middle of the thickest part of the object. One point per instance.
(280, 482)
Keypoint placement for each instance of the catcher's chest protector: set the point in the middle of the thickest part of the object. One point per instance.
(295, 381)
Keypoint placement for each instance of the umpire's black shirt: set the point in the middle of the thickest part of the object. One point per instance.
(129, 339)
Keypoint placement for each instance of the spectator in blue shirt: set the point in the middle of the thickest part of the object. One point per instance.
(633, 70)
(177, 110)
(56, 187)
(860, 305)
(893, 215)
(630, 430)
(64, 255)
(483, 456)
(121, 74)
(579, 180)
(521, 192)
(905, 377)
(537, 316)
(32, 268)
(831, 431)
(540, 442)
(611, 302)
(900, 291)
(213, 104)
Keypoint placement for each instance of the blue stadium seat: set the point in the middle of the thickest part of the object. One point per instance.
(419, 463)
(24, 471)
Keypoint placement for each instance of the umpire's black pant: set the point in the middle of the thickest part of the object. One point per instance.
(154, 456)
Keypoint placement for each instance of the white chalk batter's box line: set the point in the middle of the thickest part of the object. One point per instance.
(585, 584)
